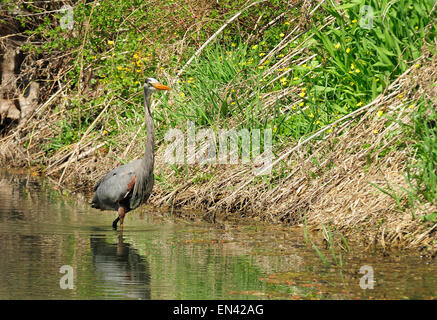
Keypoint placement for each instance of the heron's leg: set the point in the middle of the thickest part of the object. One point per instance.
(114, 224)
(121, 214)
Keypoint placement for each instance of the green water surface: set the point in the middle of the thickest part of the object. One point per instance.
(158, 256)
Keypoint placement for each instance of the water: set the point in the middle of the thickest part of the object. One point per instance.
(158, 256)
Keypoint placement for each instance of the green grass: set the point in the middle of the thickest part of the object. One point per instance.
(240, 81)
(225, 86)
(422, 170)
(420, 135)
(331, 244)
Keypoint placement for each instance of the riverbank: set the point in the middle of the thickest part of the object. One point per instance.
(351, 122)
(335, 186)
(158, 256)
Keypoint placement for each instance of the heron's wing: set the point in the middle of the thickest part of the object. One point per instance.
(131, 166)
(115, 186)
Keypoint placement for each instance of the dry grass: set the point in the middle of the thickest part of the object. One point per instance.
(337, 191)
(329, 180)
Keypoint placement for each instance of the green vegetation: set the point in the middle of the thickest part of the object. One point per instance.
(225, 87)
(294, 67)
(421, 171)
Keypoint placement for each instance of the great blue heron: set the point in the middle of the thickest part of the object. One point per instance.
(128, 186)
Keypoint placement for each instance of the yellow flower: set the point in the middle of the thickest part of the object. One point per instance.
(281, 55)
(110, 42)
(348, 50)
(260, 67)
(295, 78)
(182, 95)
(275, 128)
(233, 44)
(304, 89)
(233, 102)
(337, 45)
(400, 96)
(348, 40)
(377, 79)
(120, 68)
(302, 94)
(301, 104)
(358, 71)
(375, 131)
(354, 21)
(311, 115)
(359, 104)
(254, 46)
(416, 65)
(262, 54)
(380, 113)
(412, 106)
(282, 35)
(352, 66)
(287, 23)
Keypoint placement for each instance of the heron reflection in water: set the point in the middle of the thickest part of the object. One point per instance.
(121, 270)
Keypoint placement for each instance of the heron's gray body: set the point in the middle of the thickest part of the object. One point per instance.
(128, 186)
(115, 188)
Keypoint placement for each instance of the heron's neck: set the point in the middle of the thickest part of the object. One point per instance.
(150, 142)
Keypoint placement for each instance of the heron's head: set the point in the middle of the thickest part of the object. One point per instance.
(152, 85)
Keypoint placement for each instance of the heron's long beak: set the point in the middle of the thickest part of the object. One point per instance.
(160, 86)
